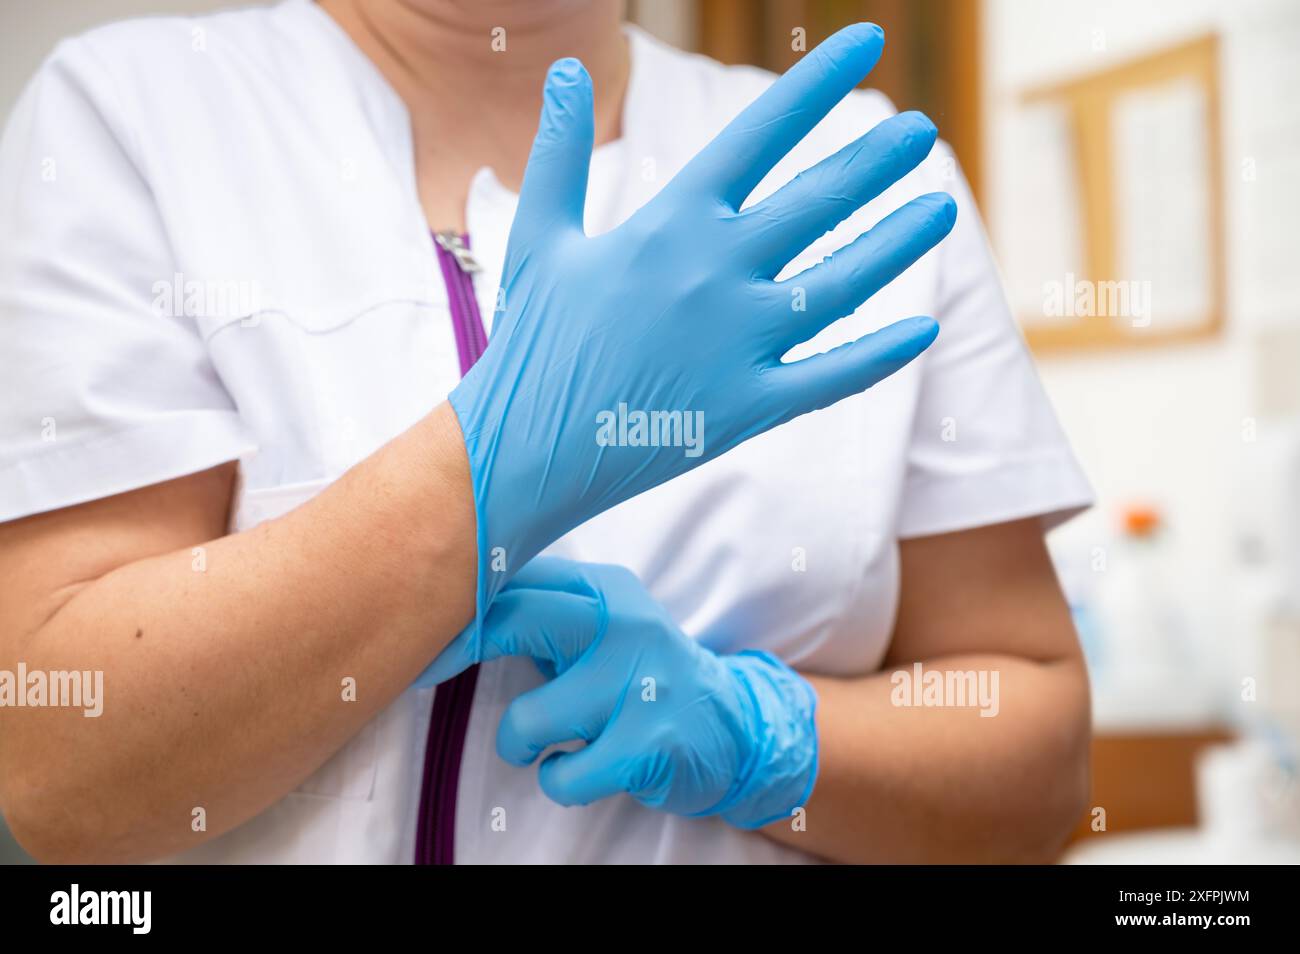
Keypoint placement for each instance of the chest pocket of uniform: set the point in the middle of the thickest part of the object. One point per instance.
(350, 773)
(321, 394)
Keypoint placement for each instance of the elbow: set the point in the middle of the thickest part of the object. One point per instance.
(28, 817)
(1060, 798)
(1034, 832)
(54, 825)
(1054, 820)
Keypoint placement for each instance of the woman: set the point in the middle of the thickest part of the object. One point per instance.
(238, 295)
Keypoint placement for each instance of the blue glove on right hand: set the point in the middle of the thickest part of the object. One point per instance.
(675, 314)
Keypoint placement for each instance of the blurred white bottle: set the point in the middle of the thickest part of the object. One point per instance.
(1152, 675)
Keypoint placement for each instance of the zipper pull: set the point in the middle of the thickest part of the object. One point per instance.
(453, 245)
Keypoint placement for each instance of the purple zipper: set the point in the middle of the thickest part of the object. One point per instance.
(435, 836)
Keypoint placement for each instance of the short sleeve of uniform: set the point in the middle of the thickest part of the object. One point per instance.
(100, 391)
(986, 446)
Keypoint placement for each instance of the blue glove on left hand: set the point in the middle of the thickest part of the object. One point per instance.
(675, 725)
(613, 353)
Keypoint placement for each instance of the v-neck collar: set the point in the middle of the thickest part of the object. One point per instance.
(392, 122)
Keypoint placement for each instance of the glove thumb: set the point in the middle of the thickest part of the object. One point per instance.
(554, 192)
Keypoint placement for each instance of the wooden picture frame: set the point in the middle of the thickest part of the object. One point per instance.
(1091, 104)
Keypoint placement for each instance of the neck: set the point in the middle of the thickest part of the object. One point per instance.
(477, 69)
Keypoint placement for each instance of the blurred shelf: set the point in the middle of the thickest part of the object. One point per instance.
(1145, 780)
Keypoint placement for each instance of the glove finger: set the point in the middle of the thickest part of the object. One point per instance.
(837, 286)
(752, 143)
(585, 776)
(552, 626)
(820, 381)
(822, 197)
(553, 573)
(554, 191)
(563, 710)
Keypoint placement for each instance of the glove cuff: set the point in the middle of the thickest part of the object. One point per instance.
(782, 768)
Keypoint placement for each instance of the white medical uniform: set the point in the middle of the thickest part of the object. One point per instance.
(261, 147)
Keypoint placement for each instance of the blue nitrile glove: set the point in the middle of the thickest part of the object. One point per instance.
(673, 724)
(675, 313)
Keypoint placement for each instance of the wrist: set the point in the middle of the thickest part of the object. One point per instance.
(445, 494)
(780, 716)
(512, 522)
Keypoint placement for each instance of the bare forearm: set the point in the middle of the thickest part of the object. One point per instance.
(225, 688)
(918, 784)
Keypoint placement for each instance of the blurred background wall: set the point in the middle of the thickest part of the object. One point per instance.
(1198, 434)
(1098, 134)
